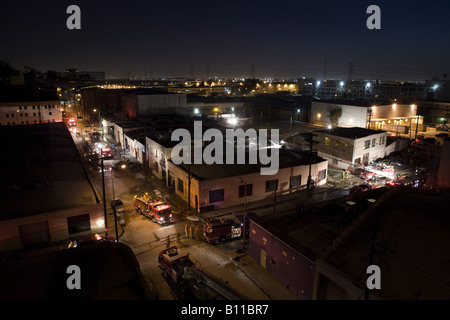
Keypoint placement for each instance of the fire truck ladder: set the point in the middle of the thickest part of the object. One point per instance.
(214, 283)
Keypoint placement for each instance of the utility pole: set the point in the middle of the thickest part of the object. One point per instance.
(189, 189)
(245, 212)
(310, 135)
(114, 207)
(104, 196)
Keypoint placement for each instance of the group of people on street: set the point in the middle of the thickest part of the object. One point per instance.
(190, 233)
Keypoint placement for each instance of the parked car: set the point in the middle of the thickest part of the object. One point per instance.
(362, 188)
(89, 240)
(429, 140)
(118, 204)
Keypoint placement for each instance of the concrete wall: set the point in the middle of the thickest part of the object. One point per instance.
(161, 103)
(158, 157)
(12, 114)
(397, 145)
(286, 264)
(376, 149)
(352, 116)
(57, 225)
(342, 152)
(443, 178)
(231, 184)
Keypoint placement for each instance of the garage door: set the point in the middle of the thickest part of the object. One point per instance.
(35, 233)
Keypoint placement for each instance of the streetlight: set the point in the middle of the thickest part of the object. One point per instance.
(245, 211)
(114, 207)
(99, 119)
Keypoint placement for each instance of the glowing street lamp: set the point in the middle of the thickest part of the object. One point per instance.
(99, 119)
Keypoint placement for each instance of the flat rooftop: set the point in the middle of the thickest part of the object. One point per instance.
(311, 229)
(109, 271)
(216, 171)
(411, 227)
(351, 133)
(412, 232)
(44, 171)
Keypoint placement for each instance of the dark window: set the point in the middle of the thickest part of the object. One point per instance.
(79, 223)
(295, 181)
(367, 144)
(180, 185)
(242, 191)
(373, 142)
(216, 195)
(271, 185)
(322, 174)
(50, 113)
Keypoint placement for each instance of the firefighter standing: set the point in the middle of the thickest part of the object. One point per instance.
(167, 242)
(197, 233)
(178, 236)
(190, 232)
(186, 230)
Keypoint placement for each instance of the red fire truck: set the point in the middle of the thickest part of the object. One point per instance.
(72, 122)
(157, 210)
(178, 268)
(106, 153)
(226, 227)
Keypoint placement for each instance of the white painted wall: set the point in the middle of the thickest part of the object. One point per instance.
(231, 184)
(12, 114)
(342, 152)
(352, 116)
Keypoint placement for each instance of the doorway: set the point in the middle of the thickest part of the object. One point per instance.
(263, 258)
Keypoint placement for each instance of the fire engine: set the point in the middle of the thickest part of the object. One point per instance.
(106, 153)
(72, 122)
(179, 268)
(226, 227)
(157, 210)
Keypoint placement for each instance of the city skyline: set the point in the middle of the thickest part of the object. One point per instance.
(267, 40)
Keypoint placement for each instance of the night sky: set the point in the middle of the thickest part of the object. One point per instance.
(280, 38)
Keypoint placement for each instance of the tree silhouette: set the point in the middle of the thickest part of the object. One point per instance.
(334, 114)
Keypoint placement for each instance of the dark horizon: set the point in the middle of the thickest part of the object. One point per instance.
(181, 39)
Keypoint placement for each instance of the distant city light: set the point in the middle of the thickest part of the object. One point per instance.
(341, 83)
(196, 111)
(329, 126)
(318, 83)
